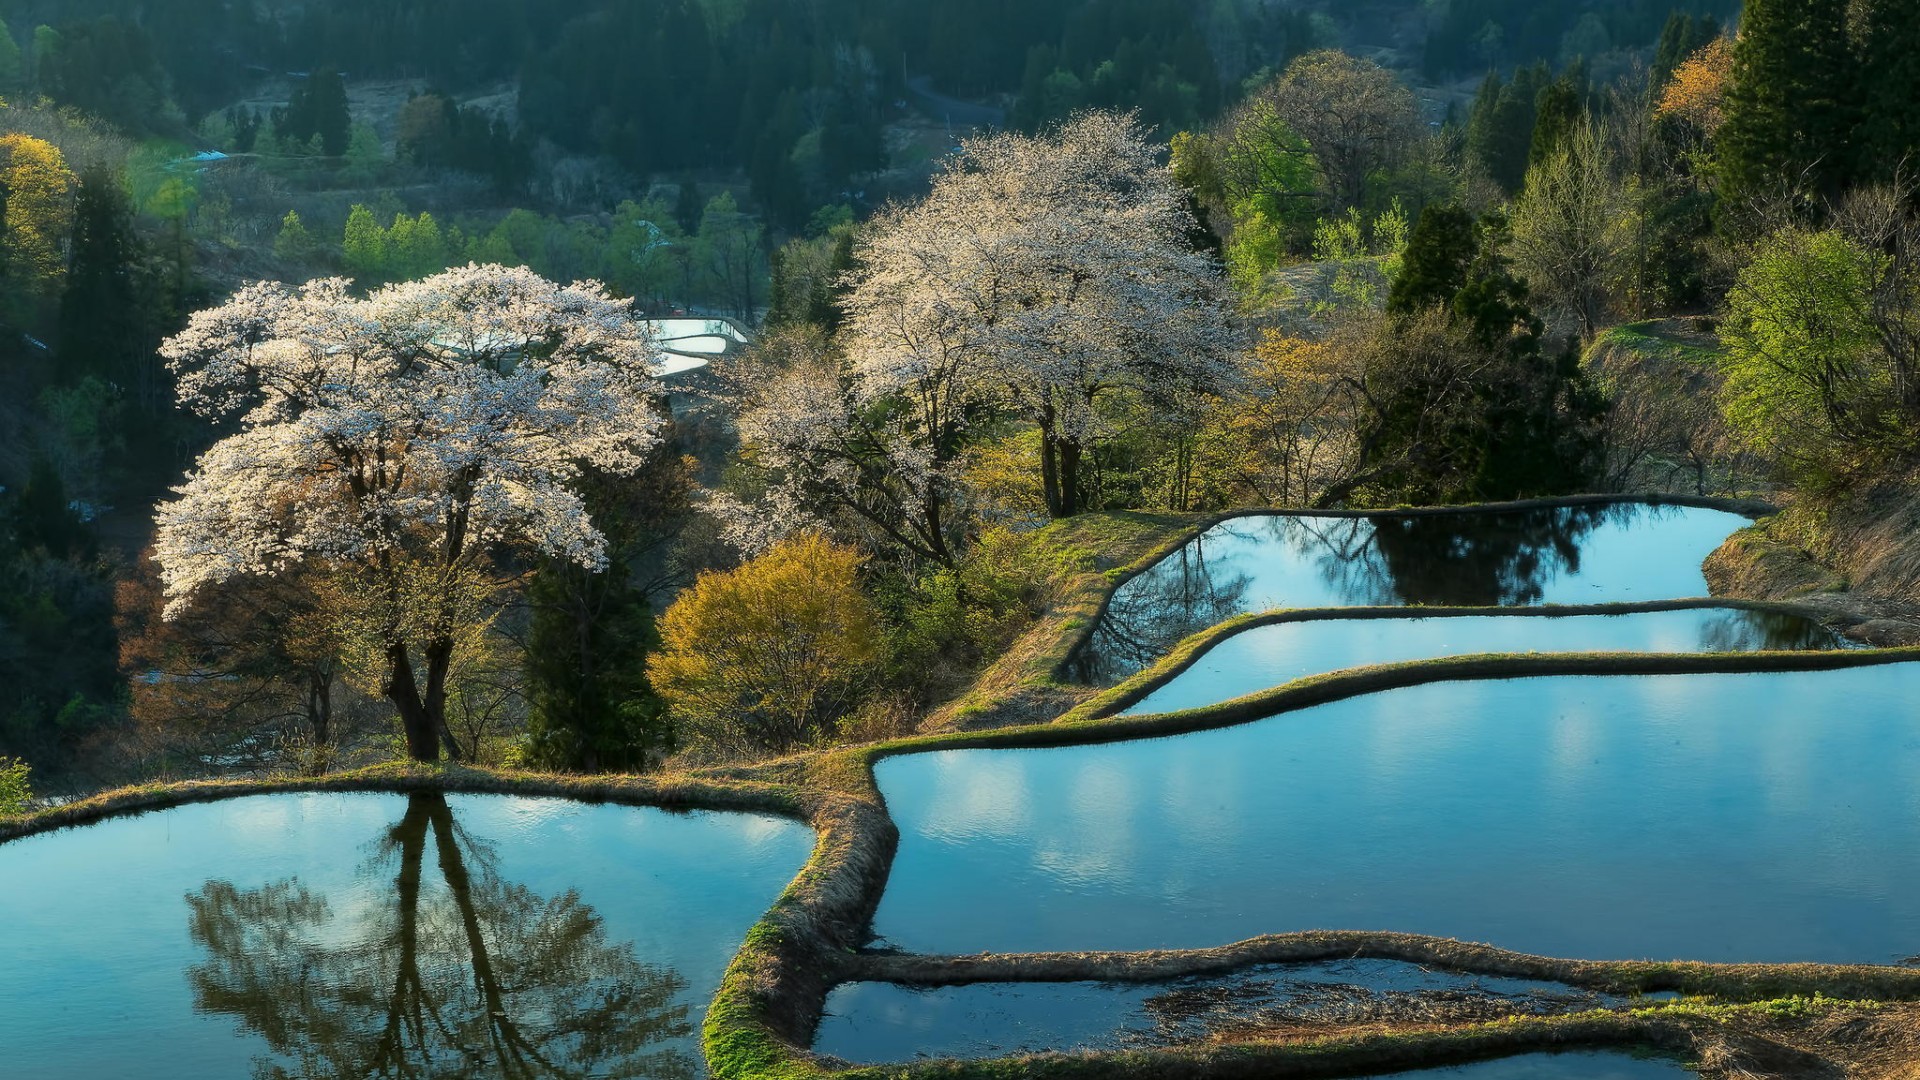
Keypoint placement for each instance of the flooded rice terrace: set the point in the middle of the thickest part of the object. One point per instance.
(1719, 817)
(389, 935)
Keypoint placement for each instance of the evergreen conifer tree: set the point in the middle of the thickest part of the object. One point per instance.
(12, 66)
(100, 321)
(318, 109)
(1793, 106)
(1562, 105)
(1892, 93)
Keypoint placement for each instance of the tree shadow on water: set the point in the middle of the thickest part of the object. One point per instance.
(455, 973)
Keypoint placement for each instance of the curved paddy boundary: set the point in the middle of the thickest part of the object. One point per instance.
(762, 1021)
(814, 926)
(1680, 1033)
(1752, 509)
(1141, 684)
(1081, 729)
(1730, 982)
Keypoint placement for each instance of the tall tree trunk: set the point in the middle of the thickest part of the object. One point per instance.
(1050, 470)
(320, 703)
(1069, 469)
(422, 730)
(439, 666)
(936, 530)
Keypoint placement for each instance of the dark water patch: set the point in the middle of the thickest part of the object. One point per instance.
(1768, 817)
(346, 935)
(1571, 555)
(1266, 656)
(879, 1022)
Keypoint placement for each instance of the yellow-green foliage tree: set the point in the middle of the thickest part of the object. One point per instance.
(39, 212)
(14, 791)
(1821, 372)
(769, 657)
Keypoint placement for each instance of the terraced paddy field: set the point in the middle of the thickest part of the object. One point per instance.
(1481, 794)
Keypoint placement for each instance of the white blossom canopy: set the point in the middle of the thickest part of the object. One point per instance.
(435, 419)
(1039, 274)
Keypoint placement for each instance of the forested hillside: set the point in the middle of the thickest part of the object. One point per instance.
(1403, 224)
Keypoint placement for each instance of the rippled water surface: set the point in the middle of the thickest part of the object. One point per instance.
(1267, 656)
(350, 935)
(1580, 555)
(1768, 817)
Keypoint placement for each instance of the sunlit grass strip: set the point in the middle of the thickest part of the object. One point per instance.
(662, 792)
(1356, 682)
(1727, 982)
(771, 996)
(1082, 546)
(1036, 664)
(1189, 652)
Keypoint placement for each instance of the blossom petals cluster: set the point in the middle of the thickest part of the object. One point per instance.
(439, 418)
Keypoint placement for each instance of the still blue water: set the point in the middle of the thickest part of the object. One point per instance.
(1266, 656)
(1770, 817)
(327, 934)
(1582, 555)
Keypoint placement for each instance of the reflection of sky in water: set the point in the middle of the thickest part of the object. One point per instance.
(1713, 817)
(1266, 656)
(879, 1022)
(1570, 556)
(95, 947)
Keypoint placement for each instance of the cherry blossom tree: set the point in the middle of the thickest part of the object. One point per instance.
(409, 440)
(1039, 277)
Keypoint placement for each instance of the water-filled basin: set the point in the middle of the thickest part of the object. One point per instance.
(324, 934)
(1764, 817)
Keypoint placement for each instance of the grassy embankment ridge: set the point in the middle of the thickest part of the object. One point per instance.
(761, 1020)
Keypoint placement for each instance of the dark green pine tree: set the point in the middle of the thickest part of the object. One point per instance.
(102, 328)
(1793, 106)
(1500, 130)
(592, 709)
(1892, 77)
(591, 706)
(1440, 252)
(319, 107)
(1562, 106)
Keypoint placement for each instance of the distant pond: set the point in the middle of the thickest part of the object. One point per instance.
(349, 935)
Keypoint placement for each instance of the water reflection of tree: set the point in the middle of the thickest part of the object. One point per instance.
(1447, 560)
(1464, 560)
(480, 978)
(1180, 596)
(1763, 631)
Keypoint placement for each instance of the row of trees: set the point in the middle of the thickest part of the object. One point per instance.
(640, 250)
(1046, 332)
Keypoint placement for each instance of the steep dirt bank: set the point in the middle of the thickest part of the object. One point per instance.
(1857, 558)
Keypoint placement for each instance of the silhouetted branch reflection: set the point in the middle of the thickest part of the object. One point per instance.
(1477, 560)
(1452, 560)
(466, 976)
(1181, 596)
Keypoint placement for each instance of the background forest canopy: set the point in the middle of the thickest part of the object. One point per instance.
(1388, 237)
